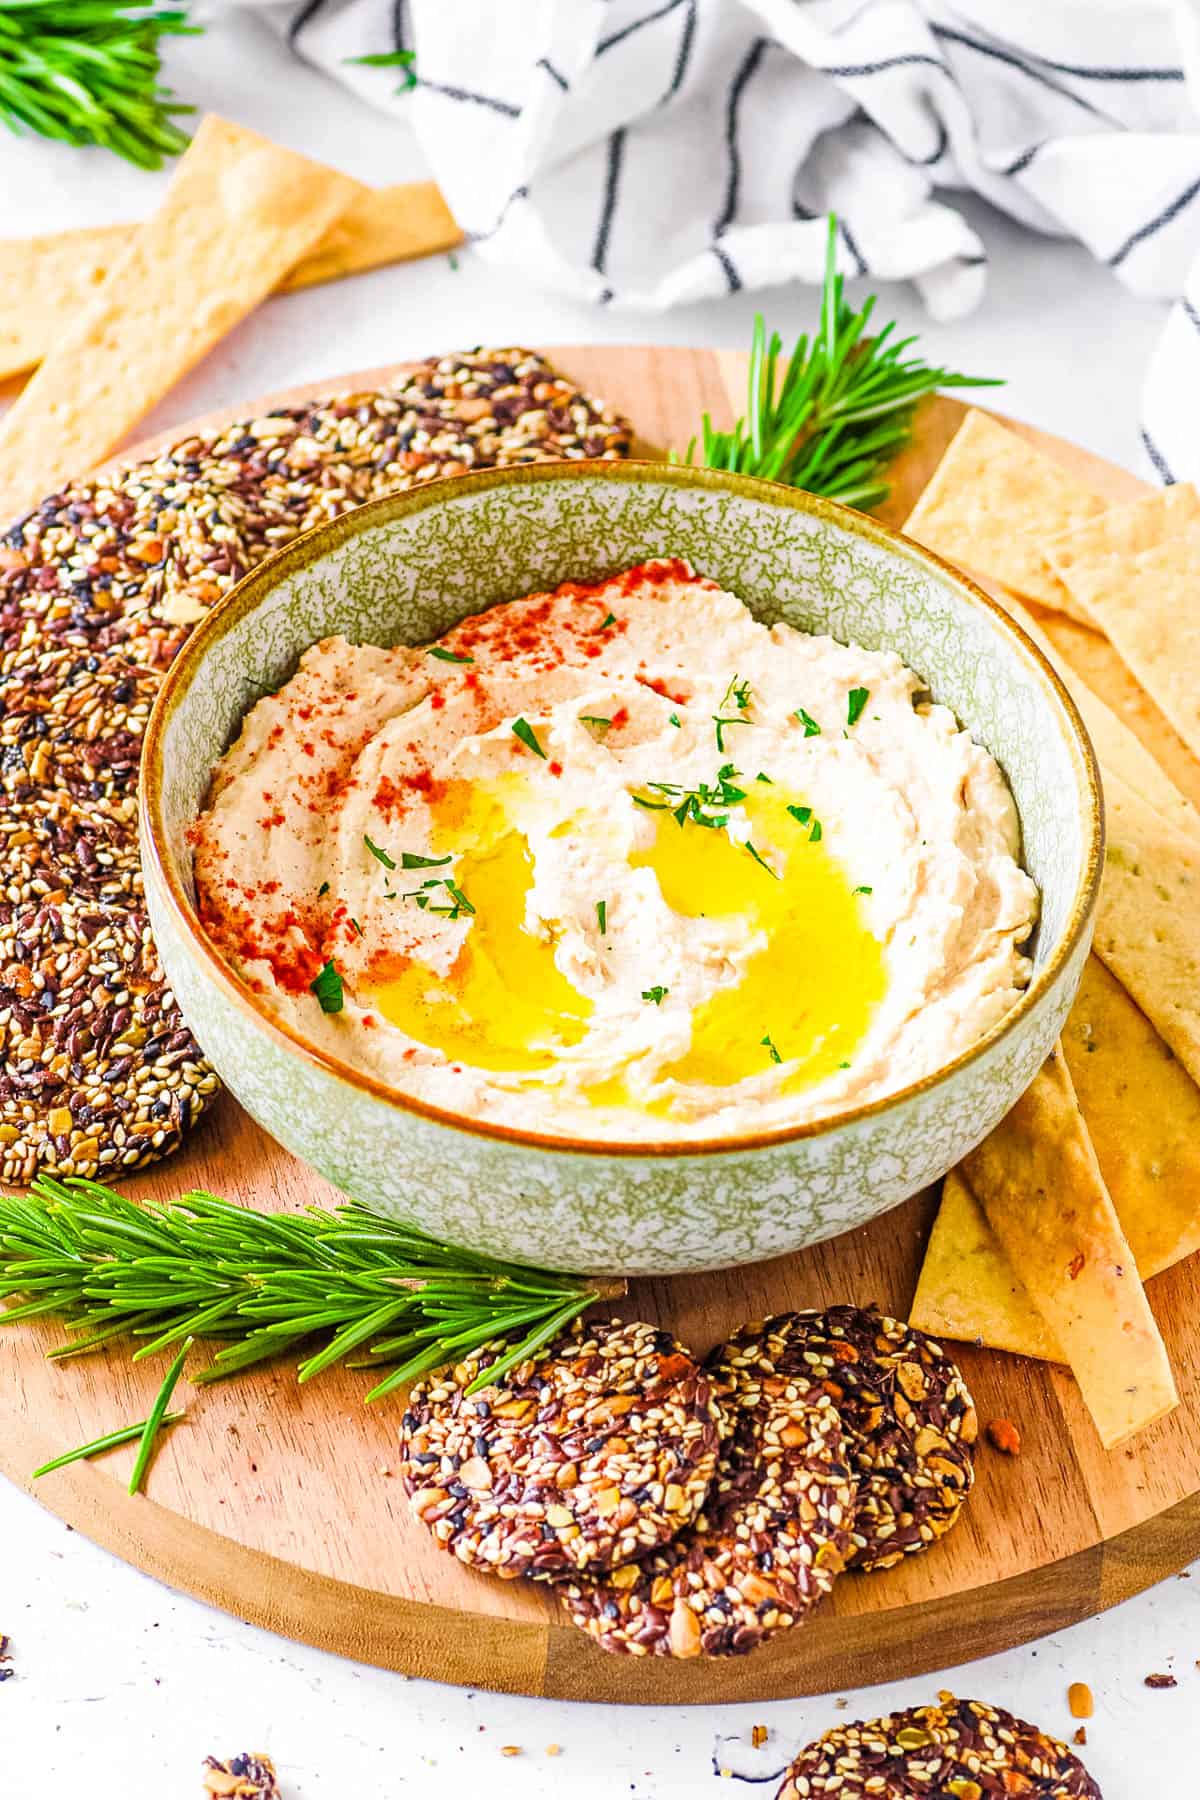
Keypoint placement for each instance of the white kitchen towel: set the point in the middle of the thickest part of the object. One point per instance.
(651, 152)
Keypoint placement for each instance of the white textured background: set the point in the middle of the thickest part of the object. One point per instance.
(120, 1686)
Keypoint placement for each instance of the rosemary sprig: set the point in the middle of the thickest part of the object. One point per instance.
(839, 411)
(270, 1283)
(87, 72)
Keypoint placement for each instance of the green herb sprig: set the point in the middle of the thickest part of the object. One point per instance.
(837, 413)
(112, 1440)
(392, 59)
(87, 72)
(699, 804)
(335, 1285)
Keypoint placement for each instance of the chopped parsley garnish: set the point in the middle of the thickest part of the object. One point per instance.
(357, 927)
(322, 890)
(864, 890)
(811, 728)
(447, 655)
(801, 814)
(655, 994)
(814, 836)
(453, 904)
(602, 916)
(674, 719)
(736, 694)
(856, 699)
(761, 777)
(328, 988)
(763, 861)
(524, 730)
(696, 803)
(608, 620)
(601, 725)
(379, 855)
(775, 1056)
(410, 860)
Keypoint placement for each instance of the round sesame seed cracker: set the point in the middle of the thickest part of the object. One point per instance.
(909, 1420)
(771, 1538)
(595, 1450)
(959, 1748)
(99, 586)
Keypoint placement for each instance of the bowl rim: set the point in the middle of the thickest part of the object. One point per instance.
(244, 597)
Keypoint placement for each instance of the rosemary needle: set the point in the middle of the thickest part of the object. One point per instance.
(833, 418)
(111, 1440)
(153, 1425)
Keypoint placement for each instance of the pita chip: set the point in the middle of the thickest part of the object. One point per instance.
(1041, 1190)
(238, 213)
(1143, 1116)
(969, 1290)
(1148, 923)
(1148, 605)
(992, 502)
(45, 281)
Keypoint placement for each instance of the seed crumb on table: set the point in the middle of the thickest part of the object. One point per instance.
(1004, 1436)
(249, 1776)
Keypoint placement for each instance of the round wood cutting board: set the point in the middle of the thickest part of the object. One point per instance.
(282, 1504)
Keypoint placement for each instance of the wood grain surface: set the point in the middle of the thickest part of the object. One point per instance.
(283, 1505)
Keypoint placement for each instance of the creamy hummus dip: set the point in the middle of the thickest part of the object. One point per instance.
(618, 862)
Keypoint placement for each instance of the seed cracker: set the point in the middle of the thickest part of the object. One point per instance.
(958, 1748)
(594, 1451)
(773, 1534)
(909, 1421)
(98, 588)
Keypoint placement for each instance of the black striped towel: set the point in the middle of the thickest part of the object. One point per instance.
(650, 152)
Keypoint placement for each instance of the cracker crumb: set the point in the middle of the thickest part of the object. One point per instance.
(553, 1749)
(1160, 1681)
(245, 1777)
(1079, 1699)
(511, 1750)
(1080, 1736)
(758, 1736)
(1004, 1436)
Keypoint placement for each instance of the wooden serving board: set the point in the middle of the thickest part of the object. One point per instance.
(282, 1504)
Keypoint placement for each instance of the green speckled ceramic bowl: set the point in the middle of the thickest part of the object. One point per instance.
(404, 569)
